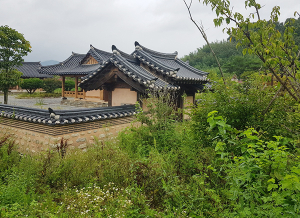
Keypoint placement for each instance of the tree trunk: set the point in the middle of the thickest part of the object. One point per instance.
(5, 96)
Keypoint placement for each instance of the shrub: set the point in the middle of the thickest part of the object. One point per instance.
(31, 84)
(51, 84)
(158, 125)
(69, 85)
(244, 105)
(256, 172)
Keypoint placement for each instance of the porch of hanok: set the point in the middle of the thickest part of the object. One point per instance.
(93, 96)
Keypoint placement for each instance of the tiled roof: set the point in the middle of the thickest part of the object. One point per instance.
(168, 64)
(156, 53)
(99, 55)
(71, 66)
(64, 117)
(130, 66)
(30, 70)
(169, 71)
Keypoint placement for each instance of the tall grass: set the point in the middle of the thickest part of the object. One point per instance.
(163, 168)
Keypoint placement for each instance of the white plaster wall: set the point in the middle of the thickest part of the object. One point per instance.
(95, 93)
(123, 96)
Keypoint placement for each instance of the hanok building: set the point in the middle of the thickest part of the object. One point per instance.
(77, 66)
(31, 70)
(120, 79)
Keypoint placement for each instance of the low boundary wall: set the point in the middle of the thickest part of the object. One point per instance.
(36, 137)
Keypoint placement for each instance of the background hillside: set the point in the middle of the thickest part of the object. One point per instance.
(50, 62)
(231, 59)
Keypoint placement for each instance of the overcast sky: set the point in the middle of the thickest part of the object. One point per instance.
(55, 28)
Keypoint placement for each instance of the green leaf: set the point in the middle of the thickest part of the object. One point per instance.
(228, 21)
(272, 186)
(219, 146)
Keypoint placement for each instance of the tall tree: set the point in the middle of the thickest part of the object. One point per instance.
(279, 54)
(13, 47)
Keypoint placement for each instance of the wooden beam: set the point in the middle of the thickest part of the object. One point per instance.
(109, 94)
(84, 94)
(76, 87)
(100, 80)
(63, 86)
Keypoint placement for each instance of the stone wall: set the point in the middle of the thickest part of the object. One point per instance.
(35, 140)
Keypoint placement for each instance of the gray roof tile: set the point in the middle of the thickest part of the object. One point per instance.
(169, 64)
(63, 117)
(130, 66)
(31, 70)
(166, 64)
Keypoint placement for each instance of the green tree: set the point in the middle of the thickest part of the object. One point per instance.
(232, 59)
(203, 58)
(280, 26)
(278, 53)
(31, 84)
(239, 64)
(51, 84)
(13, 47)
(69, 85)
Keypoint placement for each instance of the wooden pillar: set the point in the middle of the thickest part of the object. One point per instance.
(109, 95)
(63, 86)
(101, 95)
(84, 93)
(194, 98)
(76, 87)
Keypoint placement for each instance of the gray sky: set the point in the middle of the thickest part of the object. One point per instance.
(55, 28)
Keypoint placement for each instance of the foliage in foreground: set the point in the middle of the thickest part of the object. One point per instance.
(163, 168)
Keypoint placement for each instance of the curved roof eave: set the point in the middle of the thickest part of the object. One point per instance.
(156, 53)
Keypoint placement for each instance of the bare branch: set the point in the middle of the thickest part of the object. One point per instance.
(272, 101)
(201, 30)
(295, 132)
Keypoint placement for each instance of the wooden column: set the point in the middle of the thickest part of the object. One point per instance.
(63, 86)
(84, 93)
(76, 87)
(109, 100)
(194, 98)
(101, 94)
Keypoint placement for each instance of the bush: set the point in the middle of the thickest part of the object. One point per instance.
(31, 84)
(244, 105)
(256, 172)
(51, 84)
(69, 85)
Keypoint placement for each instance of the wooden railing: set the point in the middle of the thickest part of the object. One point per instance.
(72, 94)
